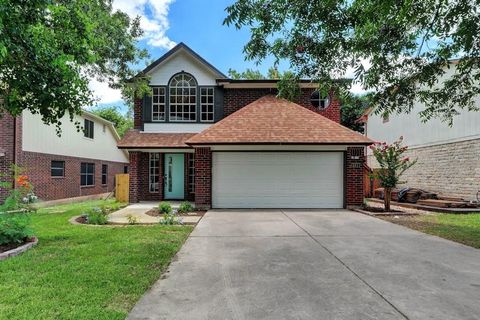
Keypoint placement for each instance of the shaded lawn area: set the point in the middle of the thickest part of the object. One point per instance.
(463, 228)
(84, 272)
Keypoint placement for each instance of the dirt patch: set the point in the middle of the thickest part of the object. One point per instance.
(410, 222)
(380, 210)
(155, 212)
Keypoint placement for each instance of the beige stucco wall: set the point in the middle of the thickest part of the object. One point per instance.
(450, 169)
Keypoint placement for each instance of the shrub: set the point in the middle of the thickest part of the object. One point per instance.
(170, 219)
(186, 207)
(97, 216)
(20, 198)
(14, 228)
(132, 219)
(165, 207)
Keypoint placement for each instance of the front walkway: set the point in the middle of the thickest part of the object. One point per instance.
(332, 264)
(139, 210)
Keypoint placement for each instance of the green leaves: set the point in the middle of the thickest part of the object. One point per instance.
(408, 44)
(50, 49)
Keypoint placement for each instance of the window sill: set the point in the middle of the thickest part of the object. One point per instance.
(89, 139)
(57, 177)
(86, 187)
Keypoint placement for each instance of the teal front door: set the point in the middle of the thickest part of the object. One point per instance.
(174, 176)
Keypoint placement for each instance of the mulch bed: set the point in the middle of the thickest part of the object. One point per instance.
(155, 212)
(379, 210)
(81, 219)
(11, 246)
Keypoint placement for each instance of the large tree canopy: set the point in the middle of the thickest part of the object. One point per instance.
(408, 45)
(49, 49)
(122, 123)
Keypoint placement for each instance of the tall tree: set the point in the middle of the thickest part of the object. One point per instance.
(121, 122)
(49, 49)
(353, 107)
(248, 74)
(407, 44)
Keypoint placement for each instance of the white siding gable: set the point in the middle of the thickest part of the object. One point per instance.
(181, 62)
(39, 137)
(416, 133)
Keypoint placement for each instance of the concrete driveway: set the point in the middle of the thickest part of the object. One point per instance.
(319, 264)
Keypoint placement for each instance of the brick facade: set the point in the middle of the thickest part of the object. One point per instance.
(10, 142)
(137, 114)
(355, 159)
(456, 171)
(235, 99)
(37, 167)
(203, 178)
(134, 177)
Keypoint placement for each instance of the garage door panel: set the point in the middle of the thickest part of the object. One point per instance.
(277, 179)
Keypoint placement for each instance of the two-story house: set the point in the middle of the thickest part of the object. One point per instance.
(226, 143)
(76, 163)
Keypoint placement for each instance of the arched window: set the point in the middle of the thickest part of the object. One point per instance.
(183, 98)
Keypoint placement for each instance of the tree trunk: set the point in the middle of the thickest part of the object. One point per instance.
(387, 198)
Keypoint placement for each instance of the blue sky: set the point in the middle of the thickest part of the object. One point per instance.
(197, 23)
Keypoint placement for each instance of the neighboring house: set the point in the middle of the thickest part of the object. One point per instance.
(78, 163)
(232, 144)
(448, 157)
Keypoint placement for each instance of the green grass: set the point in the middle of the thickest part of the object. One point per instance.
(84, 272)
(463, 228)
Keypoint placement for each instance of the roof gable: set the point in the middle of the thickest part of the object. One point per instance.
(183, 48)
(271, 120)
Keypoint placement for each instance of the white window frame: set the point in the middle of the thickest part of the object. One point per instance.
(326, 101)
(175, 87)
(159, 104)
(207, 104)
(153, 171)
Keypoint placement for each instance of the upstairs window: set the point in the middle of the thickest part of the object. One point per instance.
(206, 104)
(158, 104)
(183, 98)
(320, 101)
(88, 129)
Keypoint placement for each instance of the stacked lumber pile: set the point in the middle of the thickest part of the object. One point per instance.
(425, 198)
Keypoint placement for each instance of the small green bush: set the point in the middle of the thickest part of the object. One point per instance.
(132, 219)
(186, 207)
(96, 216)
(14, 228)
(165, 207)
(170, 219)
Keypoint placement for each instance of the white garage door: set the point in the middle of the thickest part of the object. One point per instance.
(277, 180)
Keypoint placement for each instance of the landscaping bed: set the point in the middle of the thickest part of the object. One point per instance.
(155, 212)
(77, 272)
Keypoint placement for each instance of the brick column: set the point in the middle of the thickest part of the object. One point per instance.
(203, 178)
(8, 144)
(355, 175)
(134, 176)
(137, 113)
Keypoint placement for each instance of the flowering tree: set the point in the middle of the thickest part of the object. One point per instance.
(392, 165)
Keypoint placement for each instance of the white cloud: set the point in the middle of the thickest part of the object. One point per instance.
(154, 22)
(103, 93)
(153, 19)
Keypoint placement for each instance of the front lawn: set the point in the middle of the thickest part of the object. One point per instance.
(82, 271)
(463, 228)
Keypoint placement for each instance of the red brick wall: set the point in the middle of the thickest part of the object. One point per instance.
(354, 175)
(203, 178)
(235, 99)
(134, 176)
(7, 142)
(37, 167)
(137, 113)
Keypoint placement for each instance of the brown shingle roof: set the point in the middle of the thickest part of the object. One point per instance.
(270, 120)
(137, 139)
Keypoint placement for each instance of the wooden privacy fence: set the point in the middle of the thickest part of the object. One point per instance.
(122, 187)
